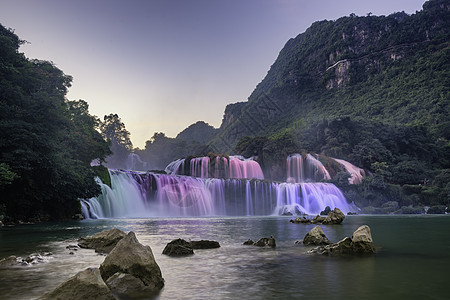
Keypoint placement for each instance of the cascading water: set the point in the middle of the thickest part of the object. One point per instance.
(135, 194)
(220, 167)
(357, 174)
(134, 162)
(305, 169)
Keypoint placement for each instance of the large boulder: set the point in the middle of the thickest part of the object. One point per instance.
(178, 247)
(130, 270)
(316, 236)
(362, 240)
(87, 284)
(360, 244)
(204, 244)
(336, 216)
(102, 242)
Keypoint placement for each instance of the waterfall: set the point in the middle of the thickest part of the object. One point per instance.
(139, 194)
(220, 167)
(357, 174)
(305, 169)
(134, 162)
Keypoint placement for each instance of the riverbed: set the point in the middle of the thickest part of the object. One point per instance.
(412, 260)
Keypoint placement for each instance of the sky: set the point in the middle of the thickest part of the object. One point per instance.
(163, 65)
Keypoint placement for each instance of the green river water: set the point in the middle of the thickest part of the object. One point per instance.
(412, 262)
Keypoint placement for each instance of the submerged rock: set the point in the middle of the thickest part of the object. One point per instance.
(178, 247)
(102, 242)
(262, 242)
(361, 243)
(302, 220)
(316, 237)
(87, 284)
(204, 244)
(8, 261)
(130, 270)
(78, 217)
(336, 216)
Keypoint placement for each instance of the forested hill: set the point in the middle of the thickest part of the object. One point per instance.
(393, 69)
(47, 143)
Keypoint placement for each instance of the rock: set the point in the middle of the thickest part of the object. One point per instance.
(102, 242)
(316, 237)
(301, 220)
(204, 244)
(78, 217)
(360, 244)
(318, 219)
(72, 247)
(131, 262)
(8, 261)
(351, 213)
(128, 286)
(336, 216)
(362, 240)
(178, 247)
(1, 224)
(87, 284)
(326, 211)
(262, 242)
(249, 242)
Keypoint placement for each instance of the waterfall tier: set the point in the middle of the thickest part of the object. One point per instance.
(135, 194)
(305, 169)
(218, 167)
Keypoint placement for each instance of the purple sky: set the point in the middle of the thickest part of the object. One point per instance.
(163, 65)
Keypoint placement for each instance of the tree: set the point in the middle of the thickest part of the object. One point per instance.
(46, 142)
(114, 131)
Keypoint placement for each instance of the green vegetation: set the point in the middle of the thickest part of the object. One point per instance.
(46, 142)
(371, 90)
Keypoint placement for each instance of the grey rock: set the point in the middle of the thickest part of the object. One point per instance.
(316, 236)
(87, 284)
(136, 260)
(361, 243)
(102, 242)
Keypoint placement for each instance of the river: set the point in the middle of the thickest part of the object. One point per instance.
(412, 261)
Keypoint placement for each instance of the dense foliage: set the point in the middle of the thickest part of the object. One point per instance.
(46, 142)
(372, 90)
(160, 150)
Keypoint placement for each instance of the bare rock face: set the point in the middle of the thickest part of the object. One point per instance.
(102, 242)
(130, 270)
(316, 237)
(361, 243)
(87, 284)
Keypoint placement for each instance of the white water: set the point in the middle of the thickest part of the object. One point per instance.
(221, 167)
(136, 194)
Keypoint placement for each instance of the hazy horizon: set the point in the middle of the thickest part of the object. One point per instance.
(164, 65)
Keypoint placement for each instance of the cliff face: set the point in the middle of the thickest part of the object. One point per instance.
(392, 67)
